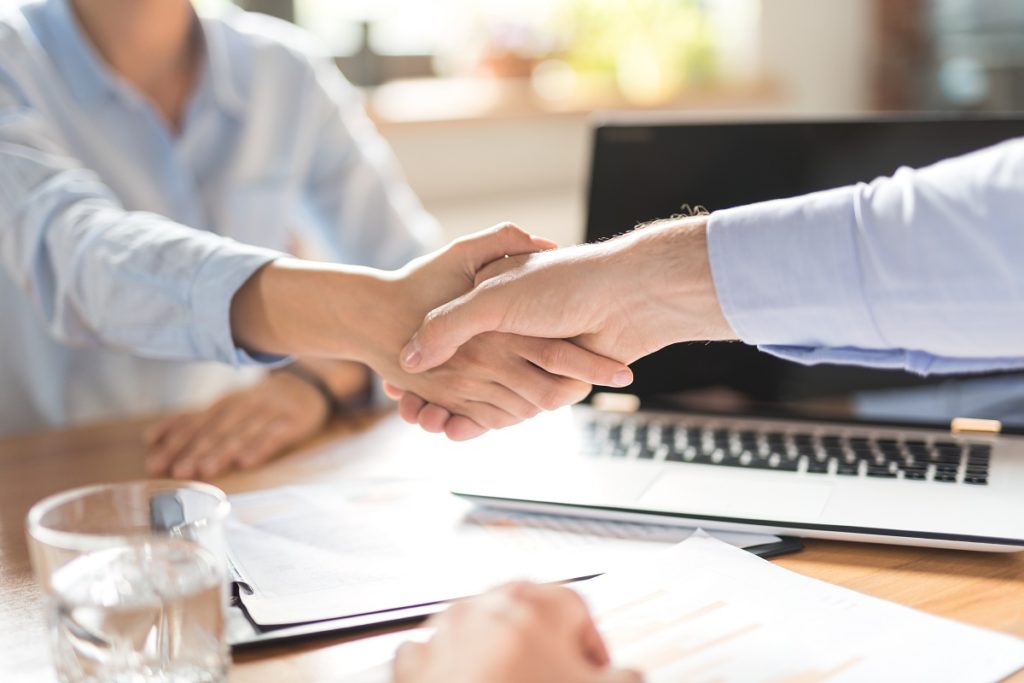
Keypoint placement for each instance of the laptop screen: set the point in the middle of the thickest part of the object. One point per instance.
(644, 171)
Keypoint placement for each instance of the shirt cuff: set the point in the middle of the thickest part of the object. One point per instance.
(787, 274)
(218, 279)
(918, 362)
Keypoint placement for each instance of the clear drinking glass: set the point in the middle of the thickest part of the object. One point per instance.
(135, 580)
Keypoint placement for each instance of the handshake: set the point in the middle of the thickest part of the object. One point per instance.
(497, 326)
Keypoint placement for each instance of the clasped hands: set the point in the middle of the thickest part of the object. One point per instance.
(586, 311)
(480, 335)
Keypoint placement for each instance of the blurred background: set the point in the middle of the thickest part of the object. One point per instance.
(487, 102)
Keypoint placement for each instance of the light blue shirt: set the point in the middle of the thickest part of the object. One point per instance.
(923, 271)
(122, 243)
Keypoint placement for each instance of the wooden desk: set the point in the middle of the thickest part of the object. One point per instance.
(982, 589)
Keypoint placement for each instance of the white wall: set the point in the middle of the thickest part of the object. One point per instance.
(533, 170)
(474, 174)
(820, 51)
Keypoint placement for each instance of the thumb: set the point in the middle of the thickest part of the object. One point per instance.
(503, 239)
(448, 327)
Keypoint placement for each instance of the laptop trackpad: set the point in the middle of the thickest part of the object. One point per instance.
(707, 494)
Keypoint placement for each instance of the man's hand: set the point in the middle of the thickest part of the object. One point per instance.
(367, 315)
(243, 429)
(624, 298)
(522, 632)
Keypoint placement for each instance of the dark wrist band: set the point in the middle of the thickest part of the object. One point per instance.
(335, 405)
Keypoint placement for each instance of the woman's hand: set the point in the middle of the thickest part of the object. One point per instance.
(522, 632)
(244, 429)
(495, 380)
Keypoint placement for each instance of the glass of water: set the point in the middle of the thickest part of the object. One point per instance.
(135, 581)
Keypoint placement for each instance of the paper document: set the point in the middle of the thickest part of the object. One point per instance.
(706, 612)
(310, 553)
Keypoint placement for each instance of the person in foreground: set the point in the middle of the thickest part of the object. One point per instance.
(520, 633)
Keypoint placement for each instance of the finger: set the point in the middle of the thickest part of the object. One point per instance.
(393, 392)
(211, 436)
(461, 428)
(156, 433)
(271, 443)
(564, 605)
(409, 407)
(451, 325)
(488, 415)
(433, 418)
(177, 438)
(565, 359)
(493, 406)
(409, 662)
(594, 647)
(247, 436)
(544, 390)
(498, 241)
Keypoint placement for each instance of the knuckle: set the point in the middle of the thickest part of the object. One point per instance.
(485, 419)
(508, 229)
(574, 391)
(552, 356)
(552, 397)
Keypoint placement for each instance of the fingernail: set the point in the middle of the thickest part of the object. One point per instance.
(622, 378)
(411, 355)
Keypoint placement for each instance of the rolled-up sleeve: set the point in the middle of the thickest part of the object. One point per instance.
(101, 275)
(919, 271)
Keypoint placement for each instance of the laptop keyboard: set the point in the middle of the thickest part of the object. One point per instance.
(847, 455)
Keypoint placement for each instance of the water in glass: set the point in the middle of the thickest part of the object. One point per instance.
(150, 611)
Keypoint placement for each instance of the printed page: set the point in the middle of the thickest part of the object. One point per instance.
(320, 552)
(706, 612)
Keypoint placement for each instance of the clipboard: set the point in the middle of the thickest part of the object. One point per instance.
(246, 635)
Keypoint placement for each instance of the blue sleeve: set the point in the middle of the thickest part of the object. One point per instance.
(919, 271)
(100, 275)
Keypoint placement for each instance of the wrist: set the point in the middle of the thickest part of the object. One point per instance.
(678, 291)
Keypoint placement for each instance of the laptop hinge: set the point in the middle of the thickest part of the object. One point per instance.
(974, 425)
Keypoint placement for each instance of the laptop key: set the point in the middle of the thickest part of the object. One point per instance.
(848, 469)
(875, 471)
(976, 480)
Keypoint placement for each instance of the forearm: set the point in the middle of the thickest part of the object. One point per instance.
(302, 308)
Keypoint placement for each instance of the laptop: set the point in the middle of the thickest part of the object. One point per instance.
(724, 436)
